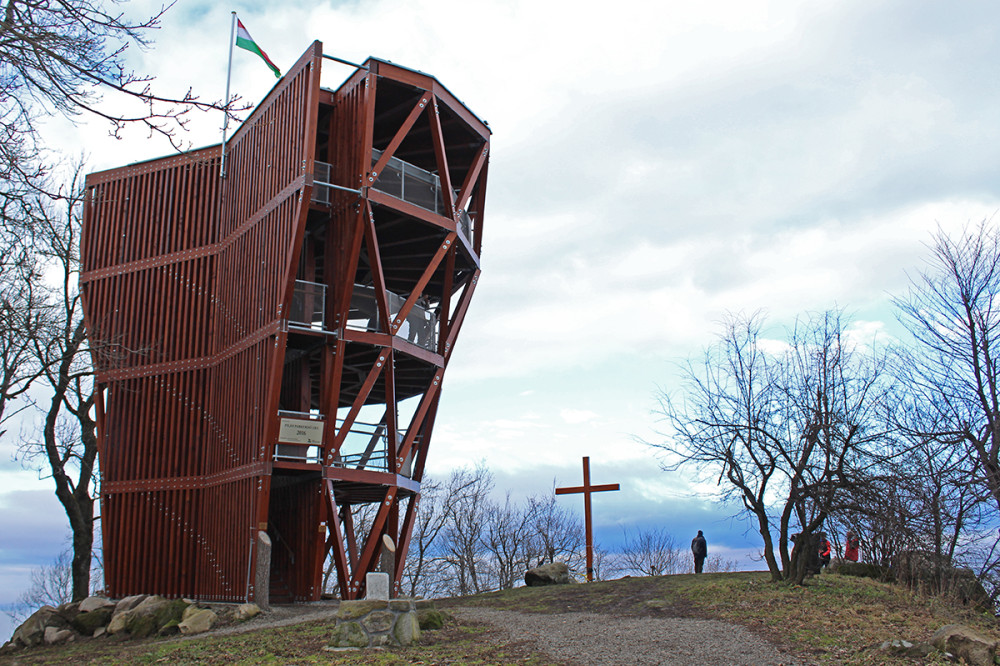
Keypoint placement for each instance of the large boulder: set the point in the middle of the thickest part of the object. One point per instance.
(964, 643)
(553, 573)
(32, 631)
(128, 603)
(352, 610)
(964, 585)
(430, 618)
(198, 622)
(407, 629)
(69, 610)
(91, 604)
(349, 635)
(148, 617)
(379, 621)
(89, 622)
(859, 569)
(244, 612)
(373, 623)
(55, 636)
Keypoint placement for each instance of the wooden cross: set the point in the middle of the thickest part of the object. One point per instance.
(586, 489)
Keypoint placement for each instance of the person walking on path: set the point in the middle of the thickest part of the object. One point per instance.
(699, 547)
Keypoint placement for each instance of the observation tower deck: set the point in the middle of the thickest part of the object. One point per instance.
(270, 345)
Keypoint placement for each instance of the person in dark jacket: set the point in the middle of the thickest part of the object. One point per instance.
(699, 547)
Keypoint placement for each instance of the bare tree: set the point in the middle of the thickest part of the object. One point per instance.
(787, 432)
(22, 307)
(883, 515)
(426, 569)
(722, 426)
(64, 443)
(557, 531)
(719, 564)
(463, 548)
(464, 541)
(953, 313)
(651, 553)
(51, 585)
(508, 539)
(62, 56)
(835, 397)
(419, 570)
(607, 565)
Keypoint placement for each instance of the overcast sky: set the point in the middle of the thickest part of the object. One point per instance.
(654, 165)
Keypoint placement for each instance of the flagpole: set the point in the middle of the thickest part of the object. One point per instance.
(225, 123)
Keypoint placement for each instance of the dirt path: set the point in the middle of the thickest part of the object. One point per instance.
(590, 639)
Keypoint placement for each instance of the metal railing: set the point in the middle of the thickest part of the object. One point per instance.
(416, 186)
(366, 446)
(465, 225)
(420, 326)
(399, 179)
(409, 183)
(308, 308)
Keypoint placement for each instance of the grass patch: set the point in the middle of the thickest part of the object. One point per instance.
(298, 644)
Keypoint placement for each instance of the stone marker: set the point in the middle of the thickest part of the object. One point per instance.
(377, 586)
(262, 577)
(387, 559)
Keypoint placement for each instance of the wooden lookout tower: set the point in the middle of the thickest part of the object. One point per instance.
(270, 345)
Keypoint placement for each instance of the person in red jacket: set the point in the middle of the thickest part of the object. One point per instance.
(852, 548)
(824, 550)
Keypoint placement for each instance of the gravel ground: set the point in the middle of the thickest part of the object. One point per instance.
(594, 640)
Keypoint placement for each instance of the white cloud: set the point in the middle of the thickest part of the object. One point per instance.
(576, 416)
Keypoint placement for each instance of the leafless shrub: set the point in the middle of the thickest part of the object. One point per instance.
(651, 553)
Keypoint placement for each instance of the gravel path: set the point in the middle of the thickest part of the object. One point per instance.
(594, 640)
(281, 616)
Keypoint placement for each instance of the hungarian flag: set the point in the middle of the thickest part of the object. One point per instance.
(245, 41)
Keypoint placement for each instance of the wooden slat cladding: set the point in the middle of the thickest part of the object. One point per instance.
(140, 219)
(185, 279)
(132, 332)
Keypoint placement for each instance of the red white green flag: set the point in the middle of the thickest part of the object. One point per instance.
(245, 41)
